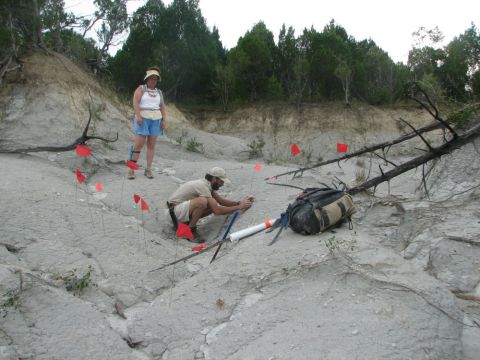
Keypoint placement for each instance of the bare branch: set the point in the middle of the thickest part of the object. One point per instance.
(420, 135)
(436, 152)
(385, 159)
(429, 108)
(424, 181)
(79, 141)
(368, 149)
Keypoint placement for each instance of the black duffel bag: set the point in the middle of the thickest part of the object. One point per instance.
(317, 209)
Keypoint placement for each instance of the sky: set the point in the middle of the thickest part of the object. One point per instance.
(389, 24)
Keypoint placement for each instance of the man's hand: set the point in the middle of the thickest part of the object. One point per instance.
(246, 203)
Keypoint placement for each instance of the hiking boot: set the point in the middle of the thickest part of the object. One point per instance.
(131, 174)
(148, 173)
(197, 239)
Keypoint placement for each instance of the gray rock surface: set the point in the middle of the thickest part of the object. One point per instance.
(77, 266)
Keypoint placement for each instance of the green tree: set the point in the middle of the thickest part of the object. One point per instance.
(20, 24)
(178, 40)
(55, 20)
(76, 47)
(344, 73)
(454, 70)
(142, 48)
(425, 56)
(324, 52)
(116, 22)
(287, 55)
(461, 67)
(223, 83)
(375, 74)
(476, 85)
(252, 61)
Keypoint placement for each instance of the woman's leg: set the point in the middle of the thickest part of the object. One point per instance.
(137, 147)
(151, 141)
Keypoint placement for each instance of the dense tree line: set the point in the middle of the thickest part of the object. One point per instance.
(311, 67)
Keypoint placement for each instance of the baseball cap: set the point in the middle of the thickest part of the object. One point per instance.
(220, 173)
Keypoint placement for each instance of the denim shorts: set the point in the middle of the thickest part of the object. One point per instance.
(148, 127)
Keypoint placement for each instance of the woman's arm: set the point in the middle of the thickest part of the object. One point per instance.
(137, 96)
(164, 115)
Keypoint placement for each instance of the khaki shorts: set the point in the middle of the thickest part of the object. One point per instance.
(182, 212)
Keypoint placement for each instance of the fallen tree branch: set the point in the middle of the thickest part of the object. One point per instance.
(460, 193)
(10, 247)
(464, 240)
(429, 106)
(368, 149)
(80, 141)
(418, 134)
(436, 152)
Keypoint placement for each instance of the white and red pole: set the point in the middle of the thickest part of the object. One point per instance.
(252, 230)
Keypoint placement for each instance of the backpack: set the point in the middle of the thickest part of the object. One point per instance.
(317, 209)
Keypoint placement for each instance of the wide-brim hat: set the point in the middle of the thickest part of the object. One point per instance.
(220, 173)
(151, 73)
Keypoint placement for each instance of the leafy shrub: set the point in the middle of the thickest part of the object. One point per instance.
(77, 284)
(378, 95)
(256, 147)
(194, 146)
(183, 136)
(461, 117)
(11, 300)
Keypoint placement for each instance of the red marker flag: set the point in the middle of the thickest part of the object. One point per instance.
(295, 149)
(342, 148)
(136, 198)
(83, 150)
(258, 167)
(99, 187)
(199, 247)
(80, 176)
(184, 231)
(132, 165)
(144, 205)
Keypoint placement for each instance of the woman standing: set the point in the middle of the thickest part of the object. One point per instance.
(149, 119)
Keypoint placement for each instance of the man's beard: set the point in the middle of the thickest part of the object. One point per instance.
(215, 187)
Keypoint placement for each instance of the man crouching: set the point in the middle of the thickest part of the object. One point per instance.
(199, 198)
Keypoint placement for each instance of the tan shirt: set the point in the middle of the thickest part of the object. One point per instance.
(191, 190)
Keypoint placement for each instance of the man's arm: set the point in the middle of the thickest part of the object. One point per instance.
(218, 208)
(224, 202)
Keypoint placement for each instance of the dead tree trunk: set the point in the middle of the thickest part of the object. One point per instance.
(433, 153)
(365, 150)
(448, 146)
(79, 141)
